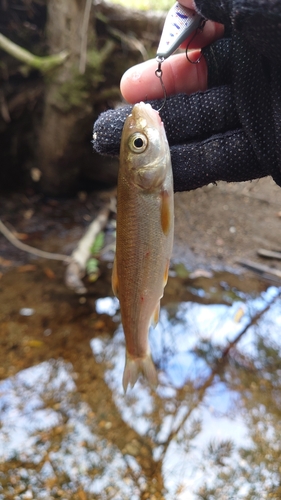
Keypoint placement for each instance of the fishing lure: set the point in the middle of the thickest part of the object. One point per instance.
(179, 24)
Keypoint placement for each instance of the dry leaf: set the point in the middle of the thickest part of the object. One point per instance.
(82, 495)
(5, 262)
(20, 236)
(34, 343)
(239, 315)
(26, 268)
(49, 273)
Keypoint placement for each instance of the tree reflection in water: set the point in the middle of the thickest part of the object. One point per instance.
(211, 429)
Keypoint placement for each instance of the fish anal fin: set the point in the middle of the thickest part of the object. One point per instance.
(114, 279)
(134, 367)
(166, 274)
(165, 212)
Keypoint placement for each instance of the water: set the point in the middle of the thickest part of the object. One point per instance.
(210, 430)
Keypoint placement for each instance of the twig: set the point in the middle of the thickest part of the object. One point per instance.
(270, 254)
(26, 248)
(84, 37)
(79, 257)
(43, 64)
(259, 268)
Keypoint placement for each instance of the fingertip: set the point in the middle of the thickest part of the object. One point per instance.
(140, 83)
(129, 84)
(179, 76)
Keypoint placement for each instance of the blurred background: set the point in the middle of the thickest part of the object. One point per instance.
(51, 95)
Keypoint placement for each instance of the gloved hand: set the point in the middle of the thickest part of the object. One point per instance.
(232, 130)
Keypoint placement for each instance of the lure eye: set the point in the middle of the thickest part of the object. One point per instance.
(138, 143)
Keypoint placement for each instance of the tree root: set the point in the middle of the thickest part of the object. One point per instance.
(43, 64)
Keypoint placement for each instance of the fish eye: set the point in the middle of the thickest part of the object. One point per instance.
(138, 142)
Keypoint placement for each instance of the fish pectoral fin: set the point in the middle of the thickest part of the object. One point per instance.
(166, 215)
(114, 279)
(135, 366)
(155, 316)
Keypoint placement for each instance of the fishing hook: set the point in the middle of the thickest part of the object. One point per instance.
(159, 74)
(198, 30)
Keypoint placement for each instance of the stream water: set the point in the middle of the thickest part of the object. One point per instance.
(210, 430)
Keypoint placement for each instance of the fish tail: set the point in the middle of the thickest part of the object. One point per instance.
(135, 366)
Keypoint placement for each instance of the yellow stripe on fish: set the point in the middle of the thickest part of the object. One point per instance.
(144, 235)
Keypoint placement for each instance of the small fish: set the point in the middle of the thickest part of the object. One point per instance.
(144, 238)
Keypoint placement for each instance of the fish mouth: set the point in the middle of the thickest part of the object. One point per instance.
(144, 111)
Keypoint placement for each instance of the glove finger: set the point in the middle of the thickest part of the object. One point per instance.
(107, 130)
(185, 118)
(219, 62)
(226, 157)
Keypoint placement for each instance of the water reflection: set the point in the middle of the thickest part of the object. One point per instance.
(211, 430)
(50, 444)
(186, 426)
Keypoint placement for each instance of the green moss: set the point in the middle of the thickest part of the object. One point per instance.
(72, 93)
(78, 88)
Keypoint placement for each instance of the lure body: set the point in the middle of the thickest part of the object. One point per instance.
(179, 24)
(144, 234)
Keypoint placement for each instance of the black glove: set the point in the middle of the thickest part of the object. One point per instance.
(231, 132)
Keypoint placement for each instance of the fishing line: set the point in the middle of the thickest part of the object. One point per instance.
(159, 74)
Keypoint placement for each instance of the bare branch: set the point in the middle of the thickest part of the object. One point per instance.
(26, 248)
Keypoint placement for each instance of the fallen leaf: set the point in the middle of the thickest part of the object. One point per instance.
(99, 324)
(239, 315)
(49, 273)
(34, 343)
(20, 236)
(26, 268)
(82, 495)
(5, 262)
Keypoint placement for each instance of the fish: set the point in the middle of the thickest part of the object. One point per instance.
(144, 235)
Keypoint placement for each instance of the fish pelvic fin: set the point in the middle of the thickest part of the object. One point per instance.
(134, 367)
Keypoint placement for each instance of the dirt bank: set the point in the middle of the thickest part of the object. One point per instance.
(215, 226)
(228, 222)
